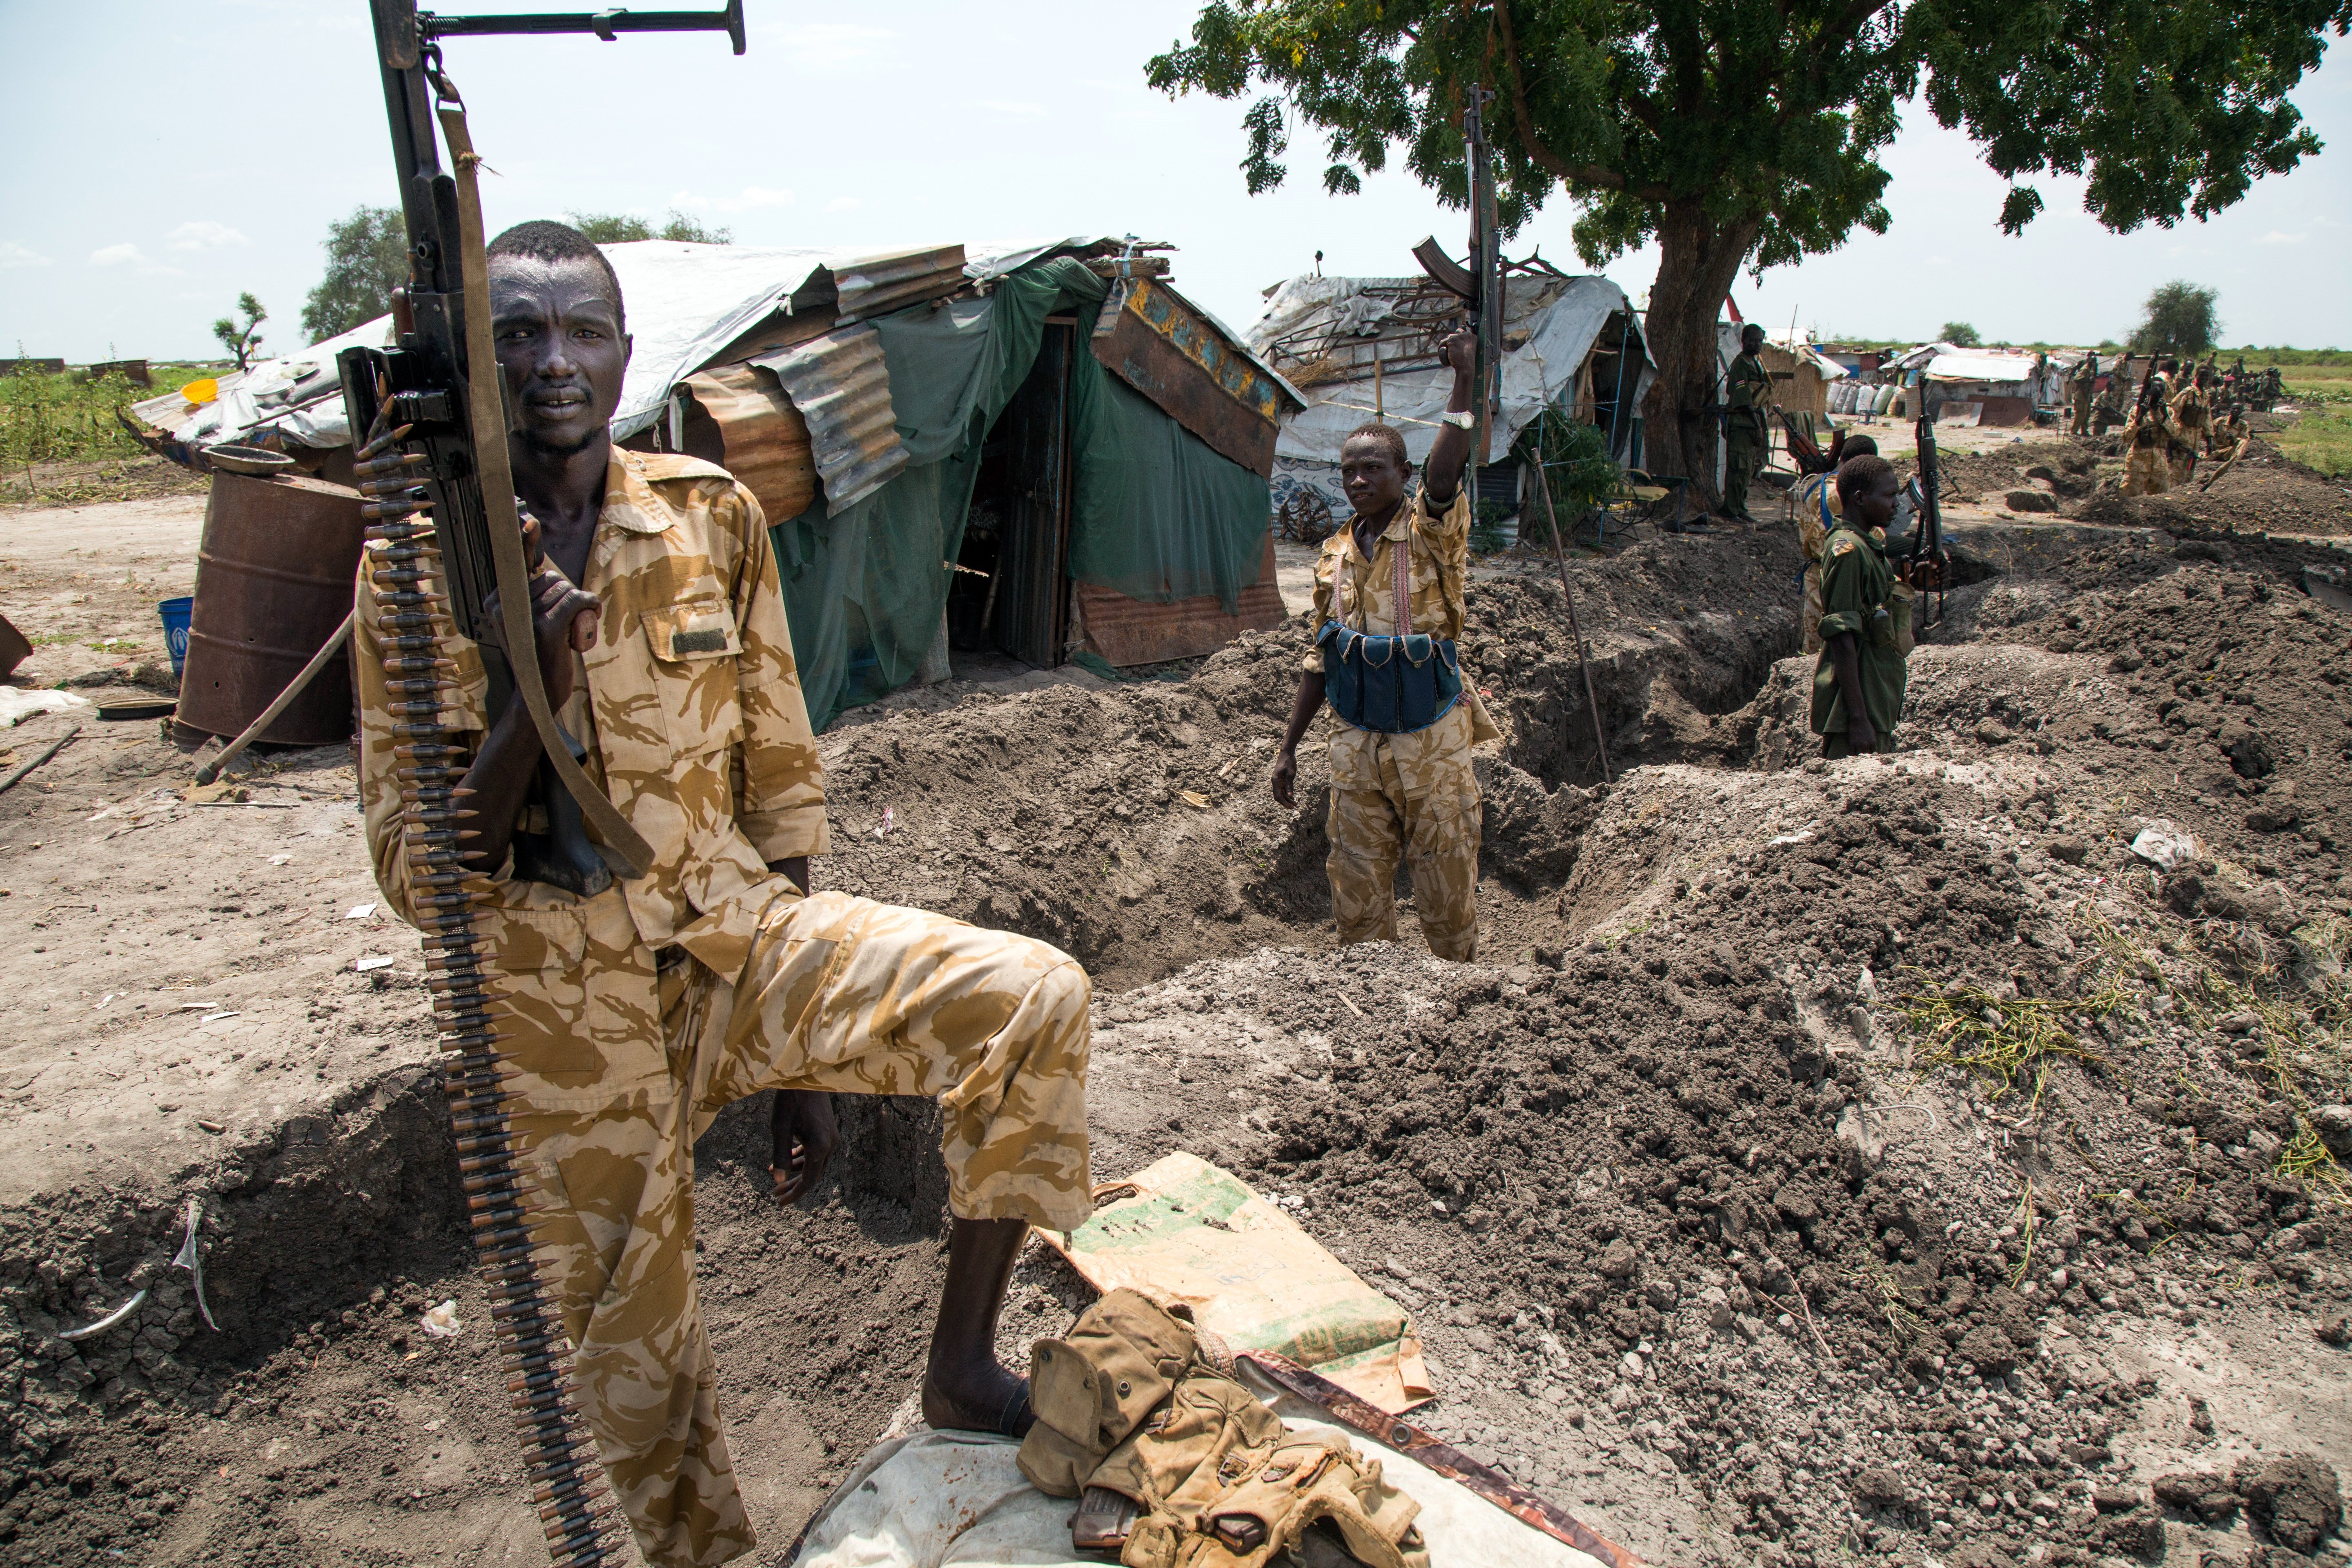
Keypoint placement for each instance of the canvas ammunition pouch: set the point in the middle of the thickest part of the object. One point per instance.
(1395, 684)
(1133, 1401)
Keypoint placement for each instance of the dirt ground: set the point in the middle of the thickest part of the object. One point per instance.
(1822, 1162)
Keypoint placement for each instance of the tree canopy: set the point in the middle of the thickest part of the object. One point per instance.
(367, 257)
(2178, 320)
(1736, 133)
(1960, 335)
(619, 228)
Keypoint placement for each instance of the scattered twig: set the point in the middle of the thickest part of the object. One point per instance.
(53, 748)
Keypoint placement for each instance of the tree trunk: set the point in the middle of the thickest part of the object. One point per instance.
(1699, 258)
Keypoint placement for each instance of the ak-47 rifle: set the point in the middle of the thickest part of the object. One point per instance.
(1929, 566)
(429, 425)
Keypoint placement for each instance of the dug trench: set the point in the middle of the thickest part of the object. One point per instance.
(1824, 1161)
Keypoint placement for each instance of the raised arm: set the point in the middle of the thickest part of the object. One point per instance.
(1441, 475)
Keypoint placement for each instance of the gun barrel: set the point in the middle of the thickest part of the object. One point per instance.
(606, 25)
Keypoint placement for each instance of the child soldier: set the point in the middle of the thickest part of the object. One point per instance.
(1866, 630)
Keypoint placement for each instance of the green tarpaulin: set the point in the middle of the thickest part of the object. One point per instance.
(1155, 513)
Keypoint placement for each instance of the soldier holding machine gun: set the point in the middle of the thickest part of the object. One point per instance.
(599, 795)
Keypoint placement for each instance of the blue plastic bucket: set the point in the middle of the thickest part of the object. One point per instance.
(176, 613)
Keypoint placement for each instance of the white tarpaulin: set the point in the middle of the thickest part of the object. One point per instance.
(683, 302)
(940, 1499)
(1560, 316)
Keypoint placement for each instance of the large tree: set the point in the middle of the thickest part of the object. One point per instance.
(367, 258)
(2179, 320)
(1747, 133)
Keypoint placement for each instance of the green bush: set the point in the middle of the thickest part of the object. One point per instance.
(70, 417)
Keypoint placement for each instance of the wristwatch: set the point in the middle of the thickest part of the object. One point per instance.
(1461, 419)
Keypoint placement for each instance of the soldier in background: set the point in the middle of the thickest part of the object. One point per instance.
(2114, 398)
(2147, 440)
(2080, 388)
(1748, 393)
(2192, 410)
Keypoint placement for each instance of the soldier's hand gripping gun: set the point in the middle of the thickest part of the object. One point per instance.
(429, 421)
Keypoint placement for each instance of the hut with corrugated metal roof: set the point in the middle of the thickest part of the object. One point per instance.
(1049, 452)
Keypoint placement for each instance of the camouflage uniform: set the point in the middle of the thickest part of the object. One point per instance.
(635, 1016)
(2147, 437)
(1412, 794)
(2079, 388)
(2192, 409)
(1813, 493)
(1746, 433)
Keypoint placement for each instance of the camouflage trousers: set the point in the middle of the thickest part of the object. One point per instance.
(626, 1059)
(2146, 472)
(2179, 463)
(1412, 797)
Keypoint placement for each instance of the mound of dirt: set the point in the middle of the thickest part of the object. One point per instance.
(2265, 491)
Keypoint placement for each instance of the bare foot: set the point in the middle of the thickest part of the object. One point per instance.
(976, 1398)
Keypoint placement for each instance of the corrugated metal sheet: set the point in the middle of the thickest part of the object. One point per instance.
(842, 387)
(876, 284)
(1128, 631)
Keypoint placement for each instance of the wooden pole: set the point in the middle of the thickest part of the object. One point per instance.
(294, 689)
(1559, 557)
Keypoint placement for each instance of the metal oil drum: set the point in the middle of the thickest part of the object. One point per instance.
(273, 583)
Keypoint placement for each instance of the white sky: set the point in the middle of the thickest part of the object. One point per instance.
(164, 157)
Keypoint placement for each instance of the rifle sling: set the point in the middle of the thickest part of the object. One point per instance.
(485, 402)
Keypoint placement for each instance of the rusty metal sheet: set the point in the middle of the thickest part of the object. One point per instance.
(1157, 341)
(749, 429)
(841, 388)
(1448, 1462)
(274, 579)
(1128, 631)
(876, 284)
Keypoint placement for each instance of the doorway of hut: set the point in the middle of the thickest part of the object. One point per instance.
(1013, 595)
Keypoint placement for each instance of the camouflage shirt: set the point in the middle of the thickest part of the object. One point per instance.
(1362, 593)
(690, 705)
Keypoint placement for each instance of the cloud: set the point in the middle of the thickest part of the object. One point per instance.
(1011, 108)
(752, 196)
(129, 255)
(2275, 238)
(204, 234)
(844, 203)
(14, 255)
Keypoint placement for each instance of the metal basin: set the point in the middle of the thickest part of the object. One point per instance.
(273, 583)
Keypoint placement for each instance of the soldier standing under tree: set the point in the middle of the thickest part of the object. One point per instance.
(1410, 792)
(1748, 393)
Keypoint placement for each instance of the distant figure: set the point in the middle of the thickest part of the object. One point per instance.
(2192, 410)
(2114, 400)
(1865, 632)
(2080, 388)
(2148, 440)
(1748, 393)
(1820, 511)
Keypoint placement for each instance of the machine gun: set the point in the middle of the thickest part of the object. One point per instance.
(1929, 567)
(442, 513)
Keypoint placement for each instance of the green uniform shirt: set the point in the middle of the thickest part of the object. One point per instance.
(1858, 583)
(1748, 387)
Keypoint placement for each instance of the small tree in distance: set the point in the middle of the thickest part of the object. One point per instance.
(2179, 320)
(242, 339)
(619, 228)
(367, 258)
(1961, 336)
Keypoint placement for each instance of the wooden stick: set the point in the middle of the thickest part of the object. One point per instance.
(1560, 556)
(54, 748)
(294, 689)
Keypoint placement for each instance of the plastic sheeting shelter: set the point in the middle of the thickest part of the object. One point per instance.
(980, 385)
(1361, 349)
(861, 397)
